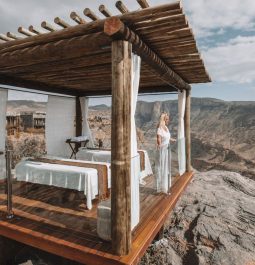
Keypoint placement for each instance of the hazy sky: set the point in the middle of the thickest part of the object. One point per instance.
(225, 33)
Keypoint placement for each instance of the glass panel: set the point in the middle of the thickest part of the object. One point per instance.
(55, 195)
(147, 121)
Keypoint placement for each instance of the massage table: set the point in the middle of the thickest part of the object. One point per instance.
(104, 155)
(92, 178)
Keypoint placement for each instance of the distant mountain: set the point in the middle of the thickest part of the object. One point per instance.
(100, 107)
(25, 105)
(223, 133)
(29, 105)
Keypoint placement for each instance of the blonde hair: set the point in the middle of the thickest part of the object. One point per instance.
(162, 119)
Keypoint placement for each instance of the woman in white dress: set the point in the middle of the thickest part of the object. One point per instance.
(163, 163)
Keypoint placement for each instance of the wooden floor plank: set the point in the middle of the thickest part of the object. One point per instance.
(71, 232)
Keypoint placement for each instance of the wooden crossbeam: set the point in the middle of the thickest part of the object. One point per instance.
(35, 85)
(104, 11)
(61, 22)
(54, 51)
(143, 3)
(34, 30)
(84, 28)
(75, 17)
(116, 29)
(89, 13)
(121, 7)
(47, 26)
(4, 37)
(12, 36)
(25, 32)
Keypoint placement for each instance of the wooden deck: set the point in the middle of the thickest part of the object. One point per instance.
(56, 221)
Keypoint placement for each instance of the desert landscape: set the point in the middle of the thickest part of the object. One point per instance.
(209, 225)
(223, 133)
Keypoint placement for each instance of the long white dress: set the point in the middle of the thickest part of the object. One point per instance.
(163, 163)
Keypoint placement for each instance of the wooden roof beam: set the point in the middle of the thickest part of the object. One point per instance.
(121, 7)
(25, 32)
(34, 30)
(87, 28)
(12, 36)
(75, 17)
(47, 26)
(116, 29)
(143, 3)
(36, 85)
(104, 11)
(89, 13)
(76, 47)
(4, 37)
(61, 22)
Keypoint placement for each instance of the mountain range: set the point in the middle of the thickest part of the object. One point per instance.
(223, 133)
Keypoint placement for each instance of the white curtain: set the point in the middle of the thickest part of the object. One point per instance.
(181, 132)
(60, 125)
(135, 158)
(3, 106)
(84, 101)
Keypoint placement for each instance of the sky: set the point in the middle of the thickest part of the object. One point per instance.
(224, 30)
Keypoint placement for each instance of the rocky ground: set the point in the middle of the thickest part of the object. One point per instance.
(212, 224)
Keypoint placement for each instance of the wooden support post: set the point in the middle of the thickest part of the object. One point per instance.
(187, 131)
(121, 147)
(78, 128)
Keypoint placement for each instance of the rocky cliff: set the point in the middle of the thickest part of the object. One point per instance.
(212, 224)
(223, 133)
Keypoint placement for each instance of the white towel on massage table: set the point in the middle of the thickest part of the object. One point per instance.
(94, 155)
(105, 156)
(70, 177)
(108, 165)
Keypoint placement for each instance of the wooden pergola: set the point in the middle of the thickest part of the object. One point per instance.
(94, 58)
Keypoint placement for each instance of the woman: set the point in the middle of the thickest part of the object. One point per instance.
(163, 165)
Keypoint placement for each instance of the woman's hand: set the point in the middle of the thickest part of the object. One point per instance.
(173, 140)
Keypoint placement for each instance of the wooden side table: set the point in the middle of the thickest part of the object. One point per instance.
(75, 144)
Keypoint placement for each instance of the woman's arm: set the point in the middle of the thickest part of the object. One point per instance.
(159, 140)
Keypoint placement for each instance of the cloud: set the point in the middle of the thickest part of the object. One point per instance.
(233, 61)
(15, 13)
(208, 15)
